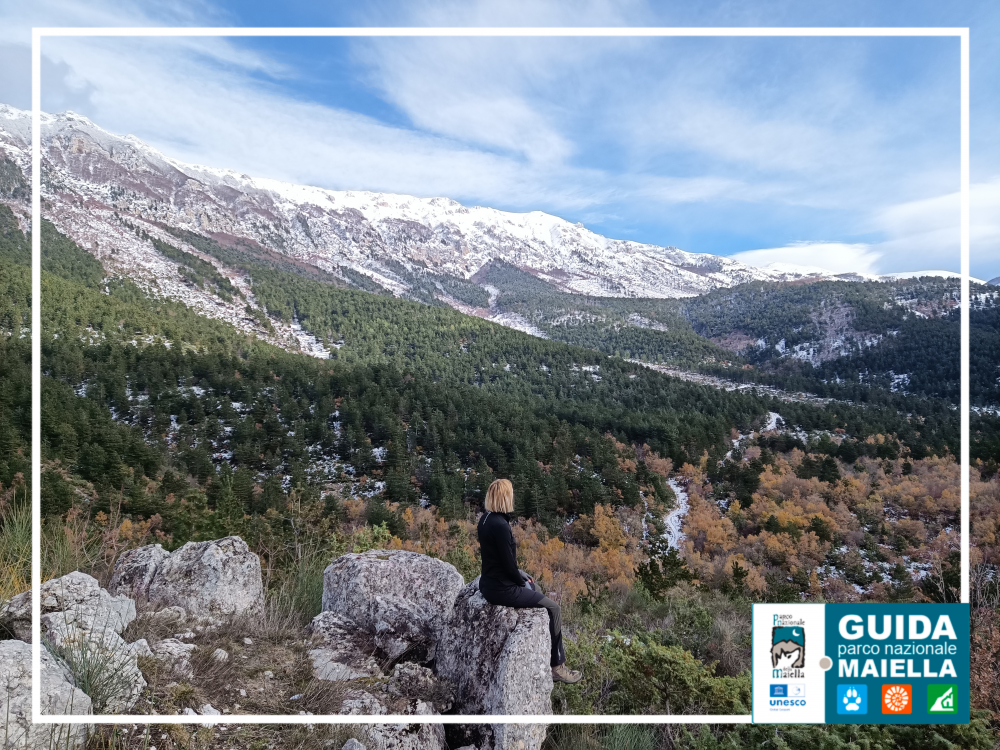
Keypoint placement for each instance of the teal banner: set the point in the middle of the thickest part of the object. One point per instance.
(861, 663)
(897, 663)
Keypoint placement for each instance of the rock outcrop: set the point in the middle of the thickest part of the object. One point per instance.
(399, 629)
(83, 624)
(406, 736)
(401, 598)
(498, 660)
(135, 569)
(208, 580)
(59, 696)
(341, 653)
(78, 598)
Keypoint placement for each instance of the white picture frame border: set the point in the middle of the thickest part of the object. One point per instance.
(38, 33)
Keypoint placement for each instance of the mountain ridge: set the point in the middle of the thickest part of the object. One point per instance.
(370, 232)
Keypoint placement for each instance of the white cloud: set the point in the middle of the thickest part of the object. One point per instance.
(836, 257)
(919, 235)
(927, 231)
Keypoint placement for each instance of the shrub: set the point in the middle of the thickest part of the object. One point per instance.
(636, 674)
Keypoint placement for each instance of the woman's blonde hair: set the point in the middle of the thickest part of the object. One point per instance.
(500, 497)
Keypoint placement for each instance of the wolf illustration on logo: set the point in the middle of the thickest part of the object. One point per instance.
(788, 647)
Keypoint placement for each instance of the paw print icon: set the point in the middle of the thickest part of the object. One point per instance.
(852, 700)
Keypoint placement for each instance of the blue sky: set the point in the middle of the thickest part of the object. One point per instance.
(841, 153)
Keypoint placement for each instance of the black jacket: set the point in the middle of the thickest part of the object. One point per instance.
(501, 581)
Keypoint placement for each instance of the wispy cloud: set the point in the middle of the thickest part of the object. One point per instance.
(927, 231)
(836, 257)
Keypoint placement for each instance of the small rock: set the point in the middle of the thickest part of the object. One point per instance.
(296, 697)
(247, 642)
(243, 693)
(268, 674)
(209, 710)
(360, 703)
(353, 744)
(187, 634)
(141, 647)
(220, 655)
(175, 653)
(166, 616)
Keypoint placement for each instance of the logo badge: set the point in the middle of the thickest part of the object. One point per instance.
(942, 699)
(796, 690)
(788, 647)
(779, 691)
(852, 700)
(897, 699)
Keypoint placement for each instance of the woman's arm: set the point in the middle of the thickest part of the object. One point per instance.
(508, 555)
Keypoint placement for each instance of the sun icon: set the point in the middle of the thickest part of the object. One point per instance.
(896, 699)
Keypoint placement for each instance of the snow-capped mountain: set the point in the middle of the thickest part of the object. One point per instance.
(367, 231)
(115, 194)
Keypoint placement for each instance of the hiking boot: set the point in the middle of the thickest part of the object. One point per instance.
(563, 674)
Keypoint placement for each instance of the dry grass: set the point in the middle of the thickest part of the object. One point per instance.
(222, 737)
(273, 675)
(15, 540)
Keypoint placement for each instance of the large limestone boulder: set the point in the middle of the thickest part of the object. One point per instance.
(498, 660)
(83, 623)
(59, 696)
(209, 580)
(135, 569)
(402, 598)
(78, 599)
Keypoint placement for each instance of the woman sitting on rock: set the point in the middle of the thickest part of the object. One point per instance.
(504, 584)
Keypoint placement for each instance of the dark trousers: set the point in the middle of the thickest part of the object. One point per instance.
(555, 630)
(522, 597)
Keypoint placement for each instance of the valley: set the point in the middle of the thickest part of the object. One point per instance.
(321, 372)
